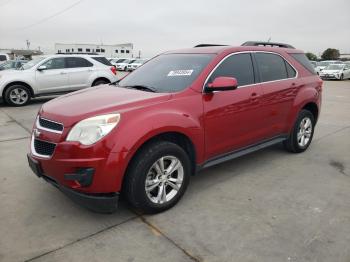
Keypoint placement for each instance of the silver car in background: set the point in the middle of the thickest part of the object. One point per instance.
(54, 74)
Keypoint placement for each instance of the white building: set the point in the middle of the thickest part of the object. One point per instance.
(120, 50)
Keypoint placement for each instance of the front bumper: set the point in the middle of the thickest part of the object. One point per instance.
(98, 202)
(336, 77)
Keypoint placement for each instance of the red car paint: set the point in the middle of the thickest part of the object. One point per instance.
(215, 123)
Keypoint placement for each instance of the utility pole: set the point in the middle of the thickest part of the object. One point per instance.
(139, 54)
(28, 44)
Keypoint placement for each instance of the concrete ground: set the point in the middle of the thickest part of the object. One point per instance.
(267, 206)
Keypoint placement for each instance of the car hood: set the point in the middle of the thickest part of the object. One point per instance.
(73, 107)
(330, 71)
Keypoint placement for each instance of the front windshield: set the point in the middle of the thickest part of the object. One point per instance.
(334, 67)
(8, 65)
(32, 63)
(168, 73)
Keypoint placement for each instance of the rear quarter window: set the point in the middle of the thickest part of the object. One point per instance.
(102, 60)
(271, 67)
(302, 59)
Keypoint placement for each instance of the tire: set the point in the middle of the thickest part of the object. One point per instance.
(17, 95)
(301, 136)
(145, 169)
(100, 82)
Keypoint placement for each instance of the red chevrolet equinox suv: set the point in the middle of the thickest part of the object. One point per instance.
(145, 135)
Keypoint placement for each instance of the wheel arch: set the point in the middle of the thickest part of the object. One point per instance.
(31, 90)
(100, 78)
(313, 108)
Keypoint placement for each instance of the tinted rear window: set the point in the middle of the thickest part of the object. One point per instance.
(302, 59)
(271, 67)
(3, 58)
(102, 60)
(74, 62)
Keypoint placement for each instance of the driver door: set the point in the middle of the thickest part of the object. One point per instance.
(51, 76)
(232, 119)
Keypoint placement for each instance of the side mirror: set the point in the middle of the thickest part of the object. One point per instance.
(42, 68)
(222, 83)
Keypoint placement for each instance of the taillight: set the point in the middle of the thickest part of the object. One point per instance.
(114, 70)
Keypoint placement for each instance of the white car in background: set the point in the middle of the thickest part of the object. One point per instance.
(323, 64)
(54, 74)
(123, 66)
(336, 71)
(115, 61)
(137, 63)
(4, 58)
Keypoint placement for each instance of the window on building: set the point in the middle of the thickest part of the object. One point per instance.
(102, 50)
(122, 51)
(98, 50)
(127, 51)
(80, 50)
(116, 51)
(72, 49)
(88, 50)
(59, 51)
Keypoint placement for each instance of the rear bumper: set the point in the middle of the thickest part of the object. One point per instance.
(97, 202)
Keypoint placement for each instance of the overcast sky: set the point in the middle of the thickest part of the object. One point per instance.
(154, 26)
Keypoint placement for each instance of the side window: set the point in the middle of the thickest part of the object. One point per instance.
(74, 62)
(271, 67)
(290, 70)
(239, 66)
(55, 63)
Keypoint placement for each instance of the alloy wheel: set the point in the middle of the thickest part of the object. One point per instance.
(19, 96)
(304, 132)
(164, 179)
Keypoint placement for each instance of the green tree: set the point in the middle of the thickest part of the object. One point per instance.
(311, 56)
(330, 54)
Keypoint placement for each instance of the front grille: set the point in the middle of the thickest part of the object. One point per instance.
(43, 147)
(50, 124)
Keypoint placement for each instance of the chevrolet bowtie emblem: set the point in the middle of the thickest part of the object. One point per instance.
(36, 132)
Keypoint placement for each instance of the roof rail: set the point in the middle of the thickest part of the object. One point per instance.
(272, 44)
(77, 53)
(207, 45)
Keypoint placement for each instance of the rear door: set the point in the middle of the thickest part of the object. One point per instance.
(53, 78)
(79, 70)
(232, 118)
(279, 86)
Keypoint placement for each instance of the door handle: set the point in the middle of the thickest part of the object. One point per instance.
(254, 96)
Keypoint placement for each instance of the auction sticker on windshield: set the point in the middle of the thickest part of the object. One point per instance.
(180, 73)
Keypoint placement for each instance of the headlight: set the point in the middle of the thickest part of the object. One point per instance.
(91, 130)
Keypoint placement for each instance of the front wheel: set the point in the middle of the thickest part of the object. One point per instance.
(17, 95)
(302, 133)
(158, 177)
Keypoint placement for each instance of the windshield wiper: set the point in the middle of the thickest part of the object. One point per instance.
(143, 87)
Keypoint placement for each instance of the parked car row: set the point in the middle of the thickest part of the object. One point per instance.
(336, 71)
(54, 74)
(127, 64)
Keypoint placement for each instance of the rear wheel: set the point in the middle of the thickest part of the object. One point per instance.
(100, 82)
(17, 95)
(158, 177)
(302, 133)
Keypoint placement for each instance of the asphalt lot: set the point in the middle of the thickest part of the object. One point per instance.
(267, 206)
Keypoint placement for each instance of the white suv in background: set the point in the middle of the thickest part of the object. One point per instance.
(137, 63)
(4, 58)
(123, 65)
(54, 74)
